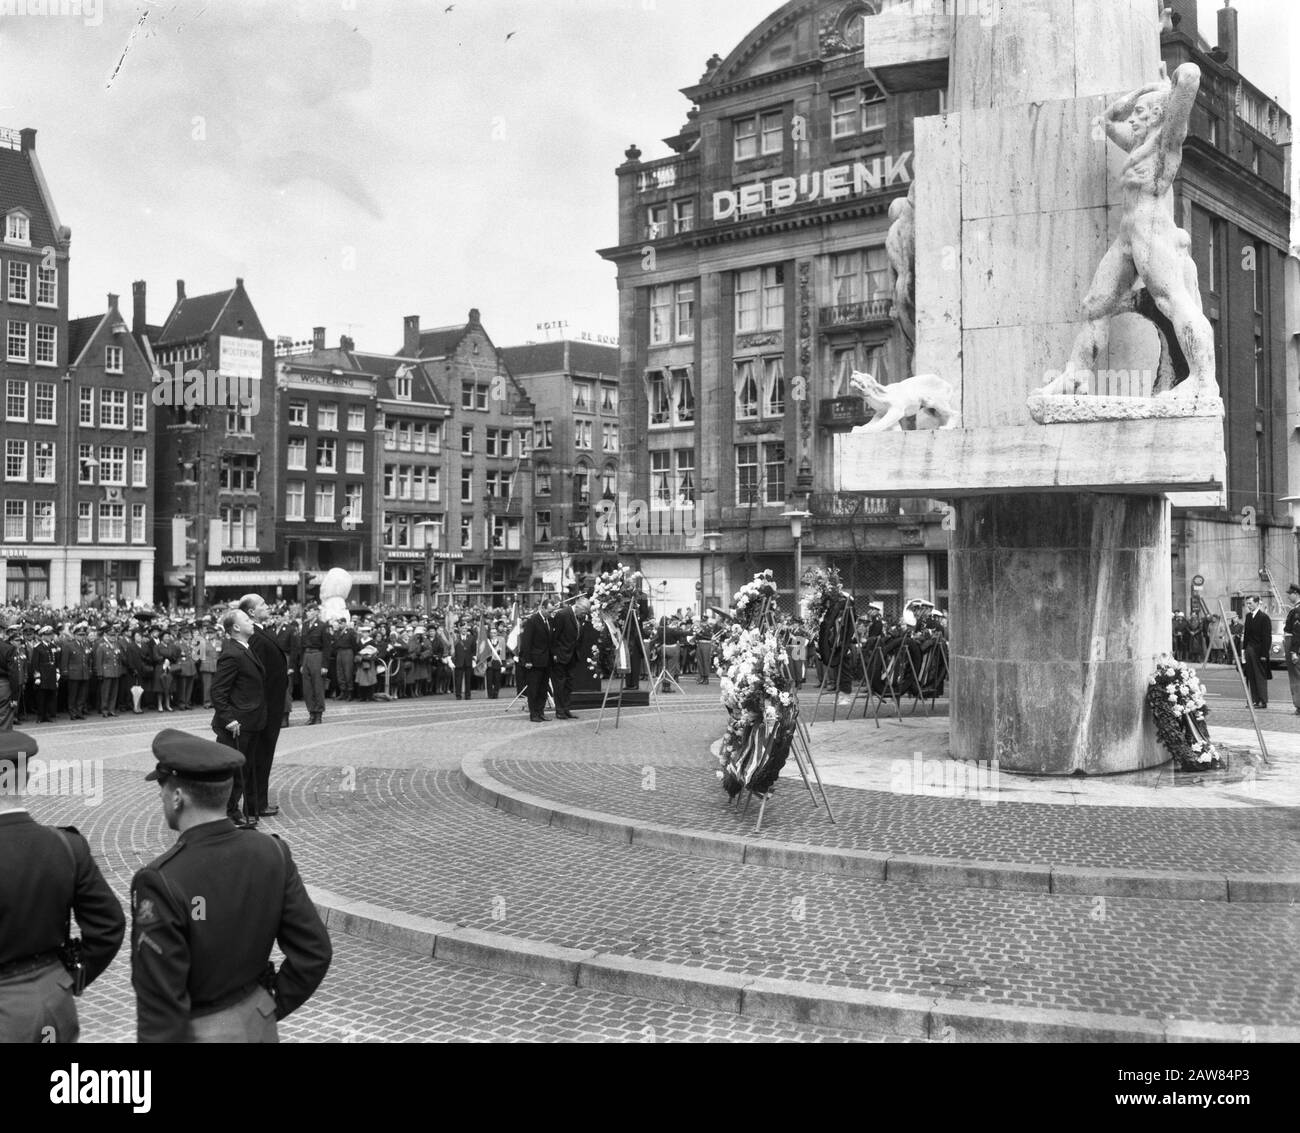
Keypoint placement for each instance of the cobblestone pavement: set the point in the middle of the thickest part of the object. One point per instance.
(379, 994)
(1204, 839)
(375, 810)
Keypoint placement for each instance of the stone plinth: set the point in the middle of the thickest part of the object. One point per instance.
(1147, 456)
(1059, 608)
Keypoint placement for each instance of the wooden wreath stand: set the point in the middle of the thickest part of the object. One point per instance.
(632, 636)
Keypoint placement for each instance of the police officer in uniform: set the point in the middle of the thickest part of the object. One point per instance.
(46, 872)
(206, 914)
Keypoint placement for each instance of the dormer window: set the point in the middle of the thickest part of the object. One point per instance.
(18, 229)
(402, 384)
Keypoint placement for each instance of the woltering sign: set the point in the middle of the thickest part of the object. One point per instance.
(837, 183)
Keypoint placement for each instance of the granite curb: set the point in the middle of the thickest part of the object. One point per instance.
(910, 1016)
(1172, 885)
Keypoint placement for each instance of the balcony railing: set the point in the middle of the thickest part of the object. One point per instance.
(842, 412)
(669, 173)
(1263, 115)
(865, 313)
(849, 505)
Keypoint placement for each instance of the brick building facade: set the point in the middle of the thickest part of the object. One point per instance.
(77, 420)
(573, 386)
(488, 472)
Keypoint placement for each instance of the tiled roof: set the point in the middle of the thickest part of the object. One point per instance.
(387, 365)
(438, 342)
(80, 332)
(194, 316)
(18, 187)
(534, 358)
(549, 357)
(329, 358)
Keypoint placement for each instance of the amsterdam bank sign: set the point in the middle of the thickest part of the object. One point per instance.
(838, 183)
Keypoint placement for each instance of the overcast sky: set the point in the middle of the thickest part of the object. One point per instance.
(360, 160)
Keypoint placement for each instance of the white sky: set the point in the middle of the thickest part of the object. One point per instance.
(360, 160)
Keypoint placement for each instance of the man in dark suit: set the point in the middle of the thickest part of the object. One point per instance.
(1257, 640)
(462, 659)
(239, 700)
(535, 656)
(267, 649)
(209, 978)
(48, 872)
(566, 627)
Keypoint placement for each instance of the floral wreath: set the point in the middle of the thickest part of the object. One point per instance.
(1176, 699)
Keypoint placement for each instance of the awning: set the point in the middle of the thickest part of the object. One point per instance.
(262, 577)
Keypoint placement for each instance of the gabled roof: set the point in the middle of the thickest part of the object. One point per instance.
(386, 367)
(22, 186)
(438, 342)
(80, 334)
(193, 317)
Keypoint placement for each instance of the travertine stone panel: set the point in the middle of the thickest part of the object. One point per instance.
(970, 75)
(938, 248)
(1131, 34)
(1033, 57)
(1046, 158)
(1026, 269)
(1155, 455)
(1005, 364)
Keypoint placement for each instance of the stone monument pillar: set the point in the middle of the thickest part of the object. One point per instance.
(1060, 569)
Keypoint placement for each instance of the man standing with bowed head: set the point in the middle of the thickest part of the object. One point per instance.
(535, 656)
(46, 872)
(239, 707)
(207, 912)
(266, 648)
(565, 630)
(1256, 640)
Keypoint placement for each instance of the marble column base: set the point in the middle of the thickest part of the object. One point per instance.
(1060, 607)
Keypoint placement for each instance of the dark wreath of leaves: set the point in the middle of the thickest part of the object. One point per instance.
(1172, 728)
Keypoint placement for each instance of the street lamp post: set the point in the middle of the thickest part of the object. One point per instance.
(796, 518)
(712, 539)
(425, 525)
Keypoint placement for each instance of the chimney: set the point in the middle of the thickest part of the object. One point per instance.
(411, 336)
(239, 283)
(180, 290)
(346, 343)
(1228, 33)
(1183, 15)
(473, 316)
(112, 300)
(138, 319)
(318, 338)
(28, 139)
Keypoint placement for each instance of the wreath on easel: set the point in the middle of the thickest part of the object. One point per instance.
(758, 692)
(1176, 699)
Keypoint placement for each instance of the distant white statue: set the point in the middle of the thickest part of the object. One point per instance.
(900, 247)
(1150, 251)
(334, 588)
(925, 401)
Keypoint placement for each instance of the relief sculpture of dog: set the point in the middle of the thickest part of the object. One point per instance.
(921, 402)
